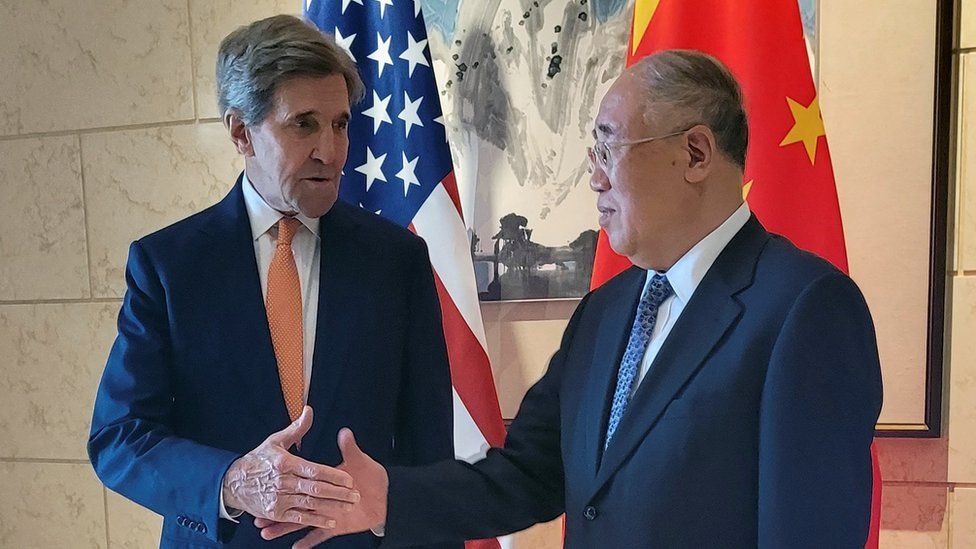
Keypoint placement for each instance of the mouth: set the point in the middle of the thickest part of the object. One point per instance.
(319, 179)
(605, 214)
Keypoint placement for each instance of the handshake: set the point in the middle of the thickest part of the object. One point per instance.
(286, 493)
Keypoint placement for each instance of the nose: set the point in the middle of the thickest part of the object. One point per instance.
(599, 181)
(325, 147)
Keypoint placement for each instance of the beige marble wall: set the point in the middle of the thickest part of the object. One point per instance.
(72, 65)
(107, 131)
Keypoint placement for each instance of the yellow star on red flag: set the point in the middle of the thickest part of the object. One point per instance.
(807, 126)
(643, 12)
(746, 188)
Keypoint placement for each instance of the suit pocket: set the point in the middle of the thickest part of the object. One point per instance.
(709, 404)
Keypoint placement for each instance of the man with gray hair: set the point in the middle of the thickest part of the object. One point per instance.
(722, 392)
(240, 320)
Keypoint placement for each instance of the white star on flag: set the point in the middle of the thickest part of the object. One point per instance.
(383, 4)
(414, 53)
(377, 212)
(373, 168)
(407, 173)
(440, 120)
(378, 111)
(382, 53)
(345, 42)
(416, 8)
(409, 113)
(345, 4)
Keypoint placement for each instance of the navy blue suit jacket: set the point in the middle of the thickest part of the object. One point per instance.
(752, 427)
(191, 383)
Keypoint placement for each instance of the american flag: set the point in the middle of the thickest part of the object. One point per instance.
(399, 166)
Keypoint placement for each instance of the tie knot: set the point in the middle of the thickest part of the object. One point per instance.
(658, 290)
(286, 230)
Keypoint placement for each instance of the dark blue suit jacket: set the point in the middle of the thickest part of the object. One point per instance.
(752, 427)
(192, 383)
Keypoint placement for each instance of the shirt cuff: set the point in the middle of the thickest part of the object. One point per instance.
(229, 514)
(379, 531)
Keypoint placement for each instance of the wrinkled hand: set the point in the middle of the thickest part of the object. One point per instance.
(271, 483)
(369, 479)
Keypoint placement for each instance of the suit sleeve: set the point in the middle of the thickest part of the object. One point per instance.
(425, 418)
(821, 399)
(510, 489)
(424, 432)
(131, 446)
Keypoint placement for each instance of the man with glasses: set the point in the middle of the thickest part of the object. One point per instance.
(723, 392)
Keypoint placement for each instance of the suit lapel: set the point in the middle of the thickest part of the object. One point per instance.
(709, 315)
(611, 339)
(241, 305)
(340, 306)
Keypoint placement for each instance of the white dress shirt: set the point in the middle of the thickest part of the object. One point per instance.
(307, 248)
(684, 276)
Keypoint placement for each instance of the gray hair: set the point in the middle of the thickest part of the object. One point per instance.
(690, 87)
(253, 60)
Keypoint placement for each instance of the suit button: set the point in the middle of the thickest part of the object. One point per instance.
(202, 528)
(589, 513)
(181, 520)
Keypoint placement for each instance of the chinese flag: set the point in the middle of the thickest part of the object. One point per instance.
(789, 181)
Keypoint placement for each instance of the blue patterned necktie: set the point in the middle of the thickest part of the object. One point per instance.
(654, 295)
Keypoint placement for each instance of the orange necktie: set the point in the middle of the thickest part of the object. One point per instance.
(284, 304)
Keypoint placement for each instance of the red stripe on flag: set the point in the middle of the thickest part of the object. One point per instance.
(450, 185)
(482, 544)
(470, 369)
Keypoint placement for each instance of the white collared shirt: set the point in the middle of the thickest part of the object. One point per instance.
(685, 276)
(307, 249)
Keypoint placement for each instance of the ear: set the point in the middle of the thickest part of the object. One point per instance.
(240, 134)
(702, 151)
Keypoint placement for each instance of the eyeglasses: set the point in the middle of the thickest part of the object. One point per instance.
(600, 153)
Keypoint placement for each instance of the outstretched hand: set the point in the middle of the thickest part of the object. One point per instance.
(269, 482)
(369, 479)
